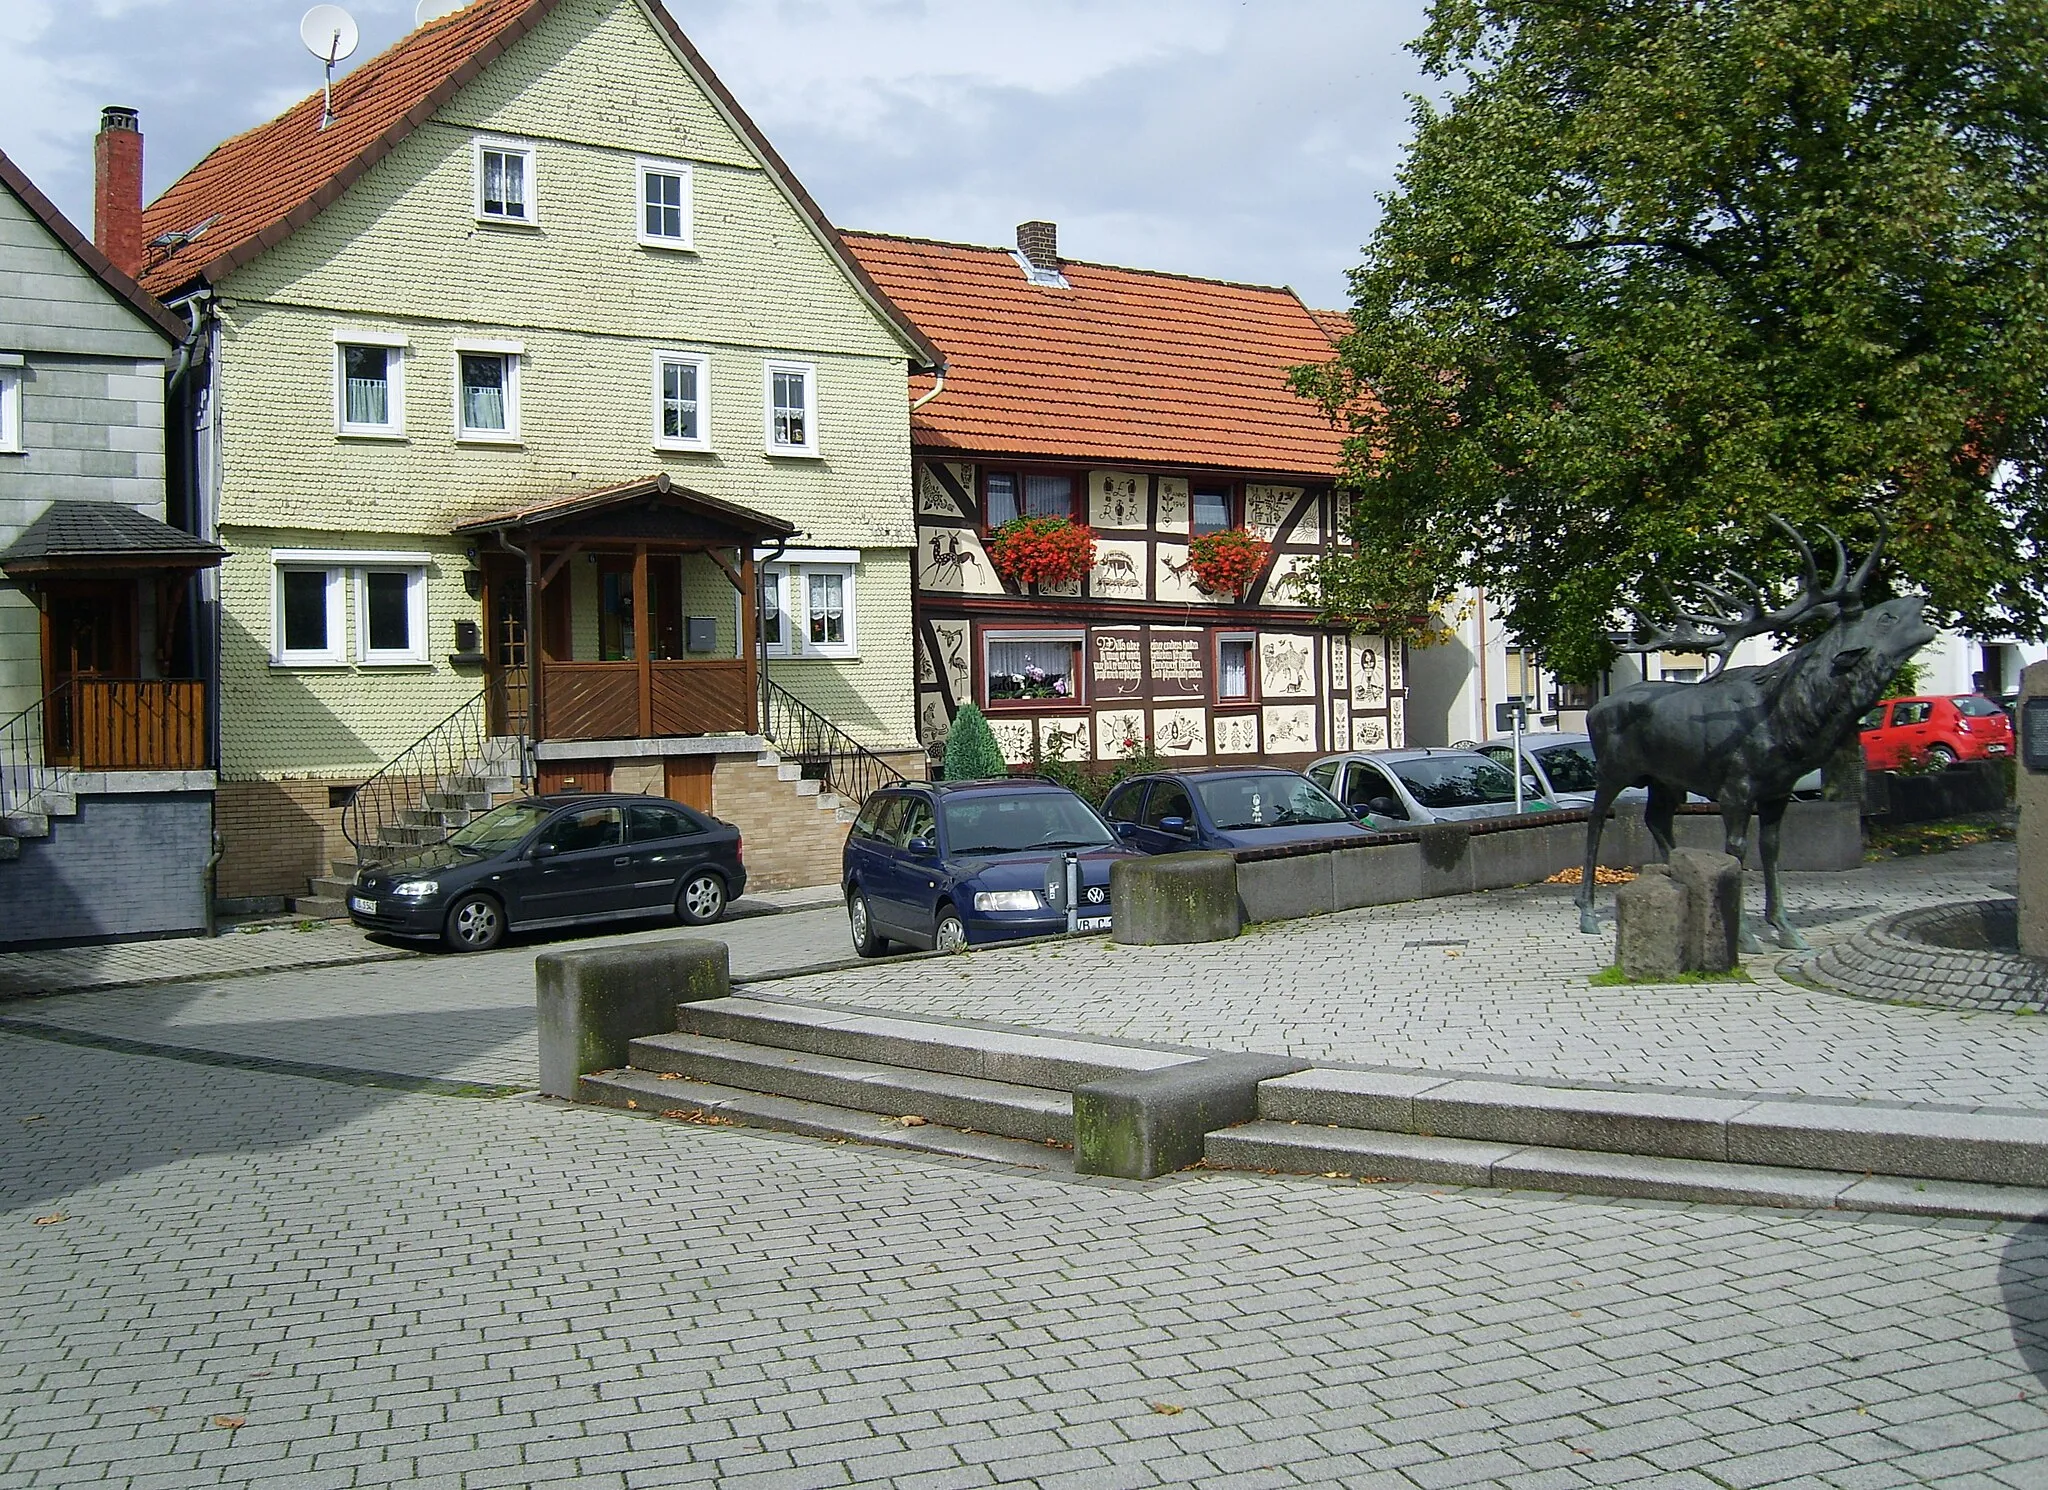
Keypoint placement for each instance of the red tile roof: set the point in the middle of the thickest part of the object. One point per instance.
(88, 255)
(255, 190)
(1336, 322)
(1126, 365)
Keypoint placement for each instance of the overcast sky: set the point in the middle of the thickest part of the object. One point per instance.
(1243, 139)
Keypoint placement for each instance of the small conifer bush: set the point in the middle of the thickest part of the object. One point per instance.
(971, 750)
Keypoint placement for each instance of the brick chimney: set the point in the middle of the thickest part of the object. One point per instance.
(117, 189)
(1039, 242)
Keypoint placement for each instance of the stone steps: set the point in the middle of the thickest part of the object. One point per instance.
(1294, 1148)
(707, 1103)
(957, 1101)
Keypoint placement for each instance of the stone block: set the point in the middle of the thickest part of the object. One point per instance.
(1349, 1099)
(1378, 874)
(1446, 858)
(1713, 892)
(1820, 836)
(1666, 1125)
(1174, 898)
(1653, 925)
(1976, 1148)
(1284, 889)
(1154, 1122)
(593, 1004)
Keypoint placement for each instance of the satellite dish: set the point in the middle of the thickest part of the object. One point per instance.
(433, 10)
(329, 33)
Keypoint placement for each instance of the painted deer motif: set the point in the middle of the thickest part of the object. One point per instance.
(1116, 572)
(950, 560)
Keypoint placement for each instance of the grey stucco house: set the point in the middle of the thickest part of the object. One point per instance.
(106, 720)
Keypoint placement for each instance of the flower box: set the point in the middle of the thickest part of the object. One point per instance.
(1042, 551)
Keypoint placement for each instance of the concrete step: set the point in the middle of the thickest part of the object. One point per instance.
(787, 770)
(957, 1101)
(718, 1106)
(25, 824)
(1295, 1148)
(404, 836)
(1014, 1056)
(767, 758)
(10, 848)
(332, 886)
(458, 801)
(1960, 1144)
(319, 907)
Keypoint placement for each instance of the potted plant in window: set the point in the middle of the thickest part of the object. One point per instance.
(1226, 561)
(1042, 550)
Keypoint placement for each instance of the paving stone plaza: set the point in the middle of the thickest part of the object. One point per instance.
(219, 1273)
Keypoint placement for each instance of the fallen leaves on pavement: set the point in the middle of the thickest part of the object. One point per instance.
(228, 1420)
(52, 1219)
(1167, 1409)
(1601, 876)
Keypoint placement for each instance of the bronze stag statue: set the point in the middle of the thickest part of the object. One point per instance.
(1742, 736)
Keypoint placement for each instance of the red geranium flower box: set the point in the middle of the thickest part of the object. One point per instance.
(1042, 550)
(1227, 561)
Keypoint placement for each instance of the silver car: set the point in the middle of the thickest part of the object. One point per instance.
(1561, 767)
(1411, 788)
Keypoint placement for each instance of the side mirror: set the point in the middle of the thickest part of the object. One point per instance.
(1127, 830)
(542, 851)
(1384, 807)
(1173, 825)
(1531, 784)
(924, 848)
(1360, 811)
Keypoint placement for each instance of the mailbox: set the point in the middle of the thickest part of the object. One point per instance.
(703, 634)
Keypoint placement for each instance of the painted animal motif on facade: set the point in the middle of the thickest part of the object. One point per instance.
(1287, 666)
(952, 640)
(950, 564)
(1116, 500)
(1290, 727)
(932, 719)
(1063, 739)
(1118, 570)
(1173, 575)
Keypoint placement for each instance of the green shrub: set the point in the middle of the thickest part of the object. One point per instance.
(971, 750)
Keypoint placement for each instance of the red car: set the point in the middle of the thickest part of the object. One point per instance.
(1947, 729)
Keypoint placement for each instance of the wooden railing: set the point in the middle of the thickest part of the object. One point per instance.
(601, 700)
(136, 724)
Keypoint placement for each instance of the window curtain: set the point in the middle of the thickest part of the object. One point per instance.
(828, 608)
(504, 184)
(1037, 668)
(483, 392)
(789, 408)
(1236, 680)
(366, 376)
(679, 401)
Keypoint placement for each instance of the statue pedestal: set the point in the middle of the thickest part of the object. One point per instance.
(2033, 835)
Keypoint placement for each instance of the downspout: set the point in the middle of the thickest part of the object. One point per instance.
(760, 631)
(938, 387)
(529, 753)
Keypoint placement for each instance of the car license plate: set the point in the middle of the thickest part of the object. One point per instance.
(1994, 750)
(1092, 923)
(362, 905)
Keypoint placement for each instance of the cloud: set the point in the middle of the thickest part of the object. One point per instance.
(1220, 137)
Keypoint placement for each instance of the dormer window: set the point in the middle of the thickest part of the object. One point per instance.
(504, 182)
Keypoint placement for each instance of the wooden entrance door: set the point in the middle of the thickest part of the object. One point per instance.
(506, 674)
(88, 635)
(687, 779)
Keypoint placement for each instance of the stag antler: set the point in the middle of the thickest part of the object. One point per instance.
(1726, 620)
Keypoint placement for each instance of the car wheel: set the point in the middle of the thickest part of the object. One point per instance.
(476, 923)
(1942, 755)
(702, 900)
(951, 935)
(862, 923)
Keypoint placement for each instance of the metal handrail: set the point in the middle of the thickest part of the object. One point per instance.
(25, 771)
(454, 747)
(826, 752)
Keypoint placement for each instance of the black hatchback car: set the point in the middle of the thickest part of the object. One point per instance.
(555, 861)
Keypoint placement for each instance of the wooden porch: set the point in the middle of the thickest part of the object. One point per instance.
(627, 613)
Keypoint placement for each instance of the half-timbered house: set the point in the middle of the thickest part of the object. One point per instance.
(1154, 408)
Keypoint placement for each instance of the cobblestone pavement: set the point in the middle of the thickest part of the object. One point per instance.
(1497, 983)
(275, 944)
(216, 1277)
(435, 1016)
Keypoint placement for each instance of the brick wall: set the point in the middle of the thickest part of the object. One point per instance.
(276, 835)
(789, 840)
(124, 866)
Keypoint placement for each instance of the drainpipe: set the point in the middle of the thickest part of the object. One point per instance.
(209, 884)
(529, 754)
(938, 387)
(760, 632)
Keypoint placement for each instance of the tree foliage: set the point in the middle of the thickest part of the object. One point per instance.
(1656, 269)
(971, 750)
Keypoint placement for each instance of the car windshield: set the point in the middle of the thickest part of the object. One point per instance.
(993, 824)
(499, 828)
(1455, 780)
(1266, 801)
(1571, 768)
(1977, 708)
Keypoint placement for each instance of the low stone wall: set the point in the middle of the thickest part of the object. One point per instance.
(1459, 858)
(1965, 788)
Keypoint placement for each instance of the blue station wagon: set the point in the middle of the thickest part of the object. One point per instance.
(949, 865)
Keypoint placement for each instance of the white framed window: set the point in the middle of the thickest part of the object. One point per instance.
(828, 610)
(391, 615)
(774, 618)
(369, 383)
(790, 390)
(10, 404)
(664, 203)
(308, 619)
(682, 401)
(505, 182)
(487, 391)
(1236, 668)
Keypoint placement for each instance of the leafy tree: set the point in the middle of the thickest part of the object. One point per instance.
(971, 750)
(1656, 269)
